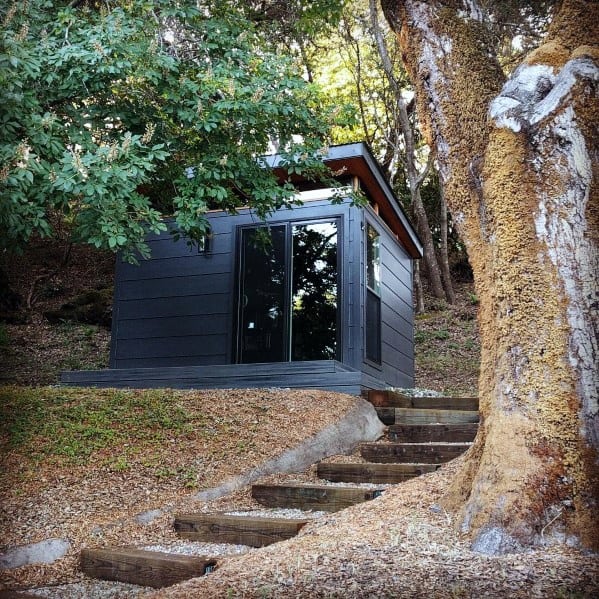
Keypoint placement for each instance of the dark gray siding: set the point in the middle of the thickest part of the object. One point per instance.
(178, 309)
(397, 313)
(175, 308)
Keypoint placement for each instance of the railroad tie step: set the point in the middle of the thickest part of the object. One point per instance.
(393, 399)
(391, 416)
(145, 568)
(430, 453)
(375, 473)
(255, 531)
(432, 433)
(326, 498)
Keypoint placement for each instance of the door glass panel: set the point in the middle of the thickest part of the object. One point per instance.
(314, 291)
(262, 319)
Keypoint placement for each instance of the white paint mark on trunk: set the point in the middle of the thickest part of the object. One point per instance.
(472, 11)
(534, 92)
(561, 225)
(512, 106)
(434, 50)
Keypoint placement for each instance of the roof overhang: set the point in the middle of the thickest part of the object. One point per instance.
(356, 160)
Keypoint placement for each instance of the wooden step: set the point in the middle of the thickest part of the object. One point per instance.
(369, 472)
(312, 497)
(425, 416)
(146, 568)
(427, 433)
(239, 530)
(392, 399)
(429, 453)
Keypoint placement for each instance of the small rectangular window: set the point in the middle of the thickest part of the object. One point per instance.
(373, 295)
(373, 259)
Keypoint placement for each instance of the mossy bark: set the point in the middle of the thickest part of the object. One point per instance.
(519, 166)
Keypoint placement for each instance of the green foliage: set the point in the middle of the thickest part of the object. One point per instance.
(69, 426)
(118, 115)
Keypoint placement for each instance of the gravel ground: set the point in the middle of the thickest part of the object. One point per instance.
(400, 545)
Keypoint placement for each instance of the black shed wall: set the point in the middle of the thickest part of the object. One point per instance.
(178, 308)
(397, 311)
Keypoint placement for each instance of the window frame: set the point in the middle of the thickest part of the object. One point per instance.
(375, 359)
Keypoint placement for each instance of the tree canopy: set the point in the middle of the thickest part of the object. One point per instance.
(115, 115)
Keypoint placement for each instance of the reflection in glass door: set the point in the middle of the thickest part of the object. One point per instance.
(314, 292)
(288, 300)
(261, 329)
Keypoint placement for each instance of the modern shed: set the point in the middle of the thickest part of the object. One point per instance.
(324, 302)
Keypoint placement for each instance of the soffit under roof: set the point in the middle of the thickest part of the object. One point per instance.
(357, 160)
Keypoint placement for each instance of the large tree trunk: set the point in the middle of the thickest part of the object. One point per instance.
(518, 164)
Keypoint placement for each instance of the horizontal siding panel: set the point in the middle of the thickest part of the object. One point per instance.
(163, 347)
(176, 326)
(396, 276)
(174, 361)
(219, 221)
(393, 248)
(180, 266)
(395, 359)
(394, 286)
(167, 248)
(197, 285)
(393, 319)
(192, 305)
(394, 340)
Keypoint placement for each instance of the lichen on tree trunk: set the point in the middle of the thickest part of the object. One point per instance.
(517, 162)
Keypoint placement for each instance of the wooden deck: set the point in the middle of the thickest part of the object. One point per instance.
(320, 374)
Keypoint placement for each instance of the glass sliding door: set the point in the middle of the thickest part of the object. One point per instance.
(262, 296)
(314, 292)
(288, 293)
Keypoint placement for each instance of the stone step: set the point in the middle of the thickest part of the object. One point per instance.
(426, 453)
(393, 399)
(327, 498)
(145, 568)
(239, 530)
(426, 416)
(369, 472)
(427, 433)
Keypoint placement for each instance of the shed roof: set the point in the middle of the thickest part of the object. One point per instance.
(356, 159)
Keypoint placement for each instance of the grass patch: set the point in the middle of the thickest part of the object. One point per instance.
(69, 425)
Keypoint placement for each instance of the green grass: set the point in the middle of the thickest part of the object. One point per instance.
(69, 425)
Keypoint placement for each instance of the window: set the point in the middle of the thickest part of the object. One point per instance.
(373, 295)
(288, 302)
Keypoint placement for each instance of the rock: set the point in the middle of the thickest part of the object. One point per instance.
(44, 552)
(495, 540)
(90, 307)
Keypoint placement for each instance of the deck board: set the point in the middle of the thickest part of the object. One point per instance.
(318, 374)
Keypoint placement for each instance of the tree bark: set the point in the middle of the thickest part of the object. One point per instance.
(415, 178)
(518, 163)
(444, 252)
